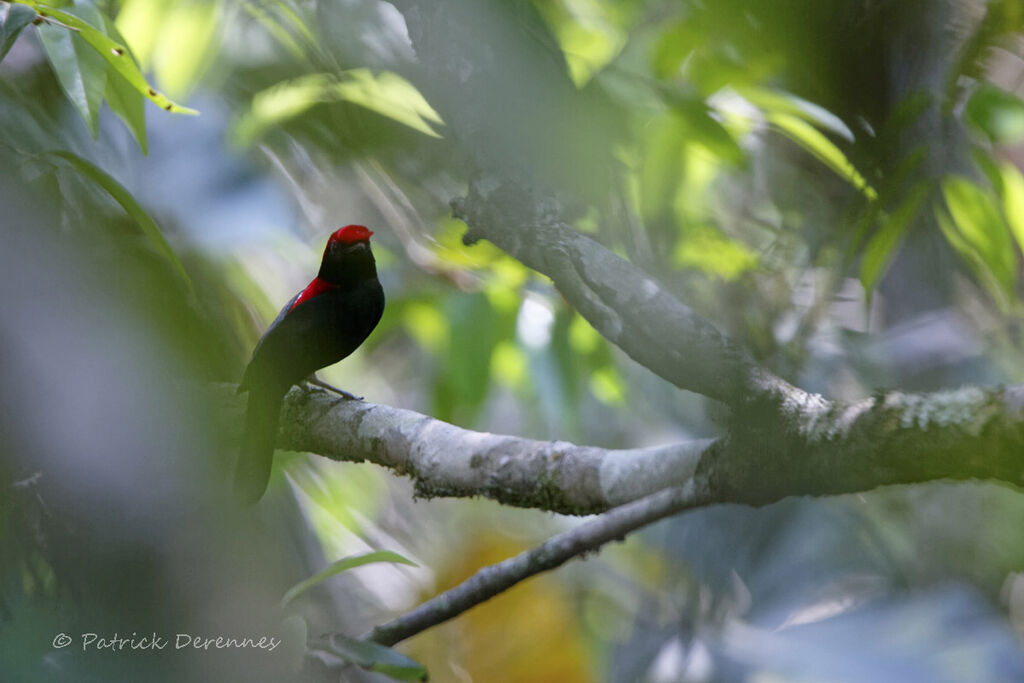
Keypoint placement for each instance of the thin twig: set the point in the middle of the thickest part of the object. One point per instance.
(556, 551)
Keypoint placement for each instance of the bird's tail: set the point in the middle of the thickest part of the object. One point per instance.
(252, 472)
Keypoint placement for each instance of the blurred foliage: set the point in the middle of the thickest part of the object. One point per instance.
(836, 184)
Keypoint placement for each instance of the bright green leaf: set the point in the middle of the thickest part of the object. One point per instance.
(712, 252)
(607, 386)
(13, 18)
(115, 53)
(375, 657)
(884, 245)
(344, 564)
(186, 42)
(981, 226)
(386, 93)
(126, 102)
(1013, 200)
(777, 101)
(81, 72)
(123, 197)
(129, 106)
(996, 113)
(815, 142)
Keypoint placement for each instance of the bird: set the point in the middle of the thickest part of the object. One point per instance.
(319, 326)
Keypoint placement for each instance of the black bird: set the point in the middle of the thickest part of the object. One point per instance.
(322, 324)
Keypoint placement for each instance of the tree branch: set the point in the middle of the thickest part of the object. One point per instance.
(556, 551)
(812, 447)
(445, 460)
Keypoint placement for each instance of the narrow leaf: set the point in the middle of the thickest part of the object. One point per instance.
(123, 197)
(116, 54)
(386, 93)
(126, 102)
(996, 113)
(13, 18)
(778, 101)
(1013, 200)
(375, 657)
(884, 245)
(981, 225)
(815, 142)
(344, 564)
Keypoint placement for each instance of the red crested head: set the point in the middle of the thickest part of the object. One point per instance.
(350, 234)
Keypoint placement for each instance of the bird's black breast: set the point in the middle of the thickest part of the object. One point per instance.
(318, 332)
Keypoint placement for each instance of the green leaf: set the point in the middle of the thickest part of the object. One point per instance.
(883, 246)
(980, 229)
(187, 42)
(129, 106)
(661, 172)
(344, 564)
(778, 101)
(998, 114)
(81, 72)
(1013, 200)
(13, 18)
(815, 142)
(375, 657)
(701, 129)
(386, 93)
(116, 54)
(123, 197)
(126, 102)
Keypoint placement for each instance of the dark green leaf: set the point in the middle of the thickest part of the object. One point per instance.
(13, 18)
(123, 197)
(344, 564)
(375, 657)
(883, 246)
(997, 113)
(82, 72)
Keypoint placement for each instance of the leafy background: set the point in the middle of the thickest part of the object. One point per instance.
(836, 184)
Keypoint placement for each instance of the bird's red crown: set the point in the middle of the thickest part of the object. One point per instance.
(350, 234)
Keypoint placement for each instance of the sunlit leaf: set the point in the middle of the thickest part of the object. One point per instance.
(123, 197)
(980, 229)
(884, 245)
(13, 18)
(1013, 200)
(607, 386)
(708, 250)
(375, 657)
(661, 171)
(700, 128)
(508, 364)
(582, 336)
(777, 101)
(81, 72)
(386, 93)
(815, 142)
(674, 45)
(140, 21)
(185, 44)
(586, 33)
(124, 100)
(426, 325)
(115, 53)
(996, 113)
(343, 565)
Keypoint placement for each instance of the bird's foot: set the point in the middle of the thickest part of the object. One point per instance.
(314, 380)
